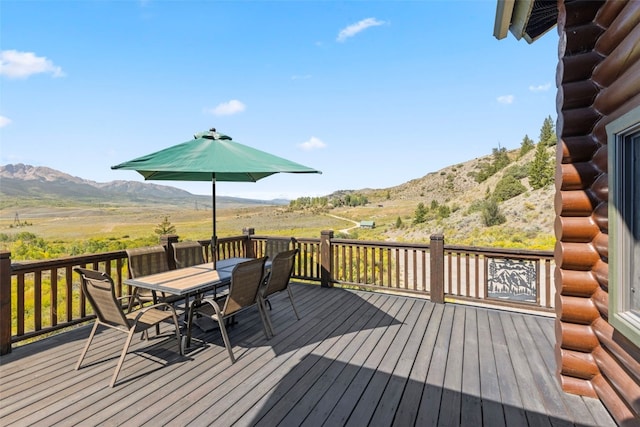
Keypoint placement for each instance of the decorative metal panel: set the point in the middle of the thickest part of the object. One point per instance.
(512, 280)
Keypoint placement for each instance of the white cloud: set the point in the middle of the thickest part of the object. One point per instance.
(20, 65)
(228, 108)
(506, 99)
(312, 144)
(540, 88)
(4, 121)
(354, 29)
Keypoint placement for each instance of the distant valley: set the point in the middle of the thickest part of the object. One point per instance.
(451, 200)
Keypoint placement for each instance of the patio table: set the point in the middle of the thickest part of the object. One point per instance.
(188, 282)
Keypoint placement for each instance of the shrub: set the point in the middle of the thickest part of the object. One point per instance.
(444, 211)
(491, 214)
(507, 188)
(518, 171)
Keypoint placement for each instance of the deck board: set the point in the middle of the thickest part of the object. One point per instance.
(429, 407)
(354, 358)
(406, 413)
(471, 404)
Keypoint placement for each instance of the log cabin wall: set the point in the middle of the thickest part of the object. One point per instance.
(598, 79)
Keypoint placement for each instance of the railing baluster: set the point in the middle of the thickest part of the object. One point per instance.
(69, 292)
(53, 305)
(547, 284)
(389, 268)
(37, 300)
(20, 303)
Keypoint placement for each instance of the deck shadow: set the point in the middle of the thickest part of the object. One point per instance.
(323, 391)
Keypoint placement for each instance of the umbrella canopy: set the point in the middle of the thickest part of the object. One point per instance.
(211, 153)
(211, 156)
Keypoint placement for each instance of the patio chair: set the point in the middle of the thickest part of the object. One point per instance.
(187, 254)
(100, 291)
(145, 261)
(278, 281)
(273, 246)
(246, 279)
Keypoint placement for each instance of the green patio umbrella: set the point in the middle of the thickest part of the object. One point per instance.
(211, 156)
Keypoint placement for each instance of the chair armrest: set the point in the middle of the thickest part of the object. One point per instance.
(143, 310)
(214, 304)
(131, 301)
(158, 305)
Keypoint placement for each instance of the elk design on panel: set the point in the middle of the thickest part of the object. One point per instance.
(509, 279)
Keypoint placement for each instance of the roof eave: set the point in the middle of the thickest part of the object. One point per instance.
(528, 19)
(504, 11)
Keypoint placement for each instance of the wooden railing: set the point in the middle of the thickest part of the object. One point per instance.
(40, 297)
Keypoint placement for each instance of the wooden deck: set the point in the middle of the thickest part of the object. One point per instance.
(354, 358)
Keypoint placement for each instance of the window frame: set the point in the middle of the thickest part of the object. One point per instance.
(619, 134)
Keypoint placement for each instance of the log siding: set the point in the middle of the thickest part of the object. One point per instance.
(598, 79)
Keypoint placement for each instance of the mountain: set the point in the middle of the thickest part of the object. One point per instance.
(21, 183)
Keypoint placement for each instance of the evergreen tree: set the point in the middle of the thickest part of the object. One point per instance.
(541, 169)
(165, 227)
(526, 145)
(548, 133)
(500, 159)
(420, 214)
(399, 222)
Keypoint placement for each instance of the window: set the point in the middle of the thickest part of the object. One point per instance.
(624, 224)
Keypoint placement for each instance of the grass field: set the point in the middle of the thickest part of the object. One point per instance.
(66, 224)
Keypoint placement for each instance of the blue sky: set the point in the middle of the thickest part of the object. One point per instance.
(373, 94)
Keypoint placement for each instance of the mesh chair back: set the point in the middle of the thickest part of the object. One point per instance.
(147, 260)
(100, 291)
(187, 254)
(246, 278)
(281, 269)
(275, 245)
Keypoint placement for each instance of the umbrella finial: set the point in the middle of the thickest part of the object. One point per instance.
(211, 134)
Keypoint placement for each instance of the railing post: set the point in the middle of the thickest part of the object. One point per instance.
(436, 258)
(166, 240)
(325, 258)
(248, 245)
(5, 302)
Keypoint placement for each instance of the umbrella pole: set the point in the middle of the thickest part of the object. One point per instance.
(214, 239)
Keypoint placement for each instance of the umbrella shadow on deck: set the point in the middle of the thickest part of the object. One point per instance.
(325, 314)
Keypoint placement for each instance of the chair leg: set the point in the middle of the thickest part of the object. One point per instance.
(267, 316)
(122, 356)
(292, 304)
(155, 301)
(175, 322)
(225, 338)
(86, 347)
(263, 316)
